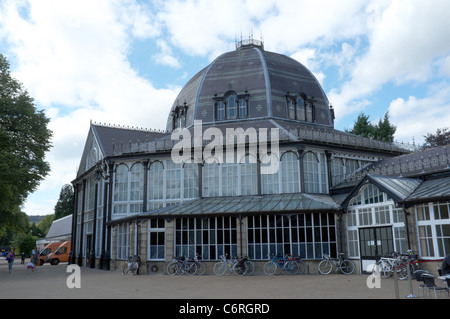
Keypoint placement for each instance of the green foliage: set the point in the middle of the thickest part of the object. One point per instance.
(440, 138)
(24, 140)
(384, 131)
(45, 224)
(24, 243)
(64, 206)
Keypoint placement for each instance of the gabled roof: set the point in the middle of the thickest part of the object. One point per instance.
(431, 190)
(397, 187)
(60, 227)
(109, 136)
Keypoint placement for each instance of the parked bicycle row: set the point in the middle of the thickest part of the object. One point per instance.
(243, 266)
(393, 261)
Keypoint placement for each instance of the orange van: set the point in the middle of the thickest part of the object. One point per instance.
(60, 255)
(50, 248)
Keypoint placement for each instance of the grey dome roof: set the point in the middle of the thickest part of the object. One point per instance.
(267, 79)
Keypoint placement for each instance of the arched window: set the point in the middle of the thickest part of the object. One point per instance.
(300, 108)
(173, 180)
(311, 175)
(156, 181)
(315, 174)
(190, 171)
(136, 188)
(121, 189)
(231, 106)
(290, 177)
(220, 110)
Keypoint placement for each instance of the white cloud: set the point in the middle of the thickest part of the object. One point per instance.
(403, 45)
(165, 57)
(73, 61)
(416, 117)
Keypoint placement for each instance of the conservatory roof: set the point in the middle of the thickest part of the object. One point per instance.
(242, 205)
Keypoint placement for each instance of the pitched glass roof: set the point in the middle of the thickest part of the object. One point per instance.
(265, 204)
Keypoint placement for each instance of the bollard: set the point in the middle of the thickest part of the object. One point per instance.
(397, 295)
(408, 271)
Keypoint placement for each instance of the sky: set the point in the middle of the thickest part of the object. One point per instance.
(124, 62)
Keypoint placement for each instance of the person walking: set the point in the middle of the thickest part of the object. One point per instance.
(34, 256)
(10, 258)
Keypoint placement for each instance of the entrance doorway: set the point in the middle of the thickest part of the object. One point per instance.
(374, 242)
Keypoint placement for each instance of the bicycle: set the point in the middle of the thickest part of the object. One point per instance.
(131, 266)
(291, 267)
(407, 260)
(201, 267)
(346, 266)
(228, 265)
(181, 265)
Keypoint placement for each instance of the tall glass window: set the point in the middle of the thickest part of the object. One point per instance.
(231, 107)
(136, 188)
(300, 109)
(243, 108)
(121, 189)
(156, 239)
(220, 110)
(190, 171)
(311, 165)
(290, 173)
(249, 176)
(209, 237)
(433, 225)
(306, 235)
(211, 180)
(230, 179)
(270, 183)
(173, 180)
(123, 241)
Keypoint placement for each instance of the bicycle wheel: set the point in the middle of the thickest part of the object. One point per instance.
(250, 267)
(172, 268)
(270, 268)
(301, 267)
(325, 267)
(386, 271)
(291, 267)
(347, 267)
(190, 269)
(201, 268)
(134, 268)
(220, 268)
(125, 269)
(240, 270)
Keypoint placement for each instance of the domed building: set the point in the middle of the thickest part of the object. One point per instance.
(203, 187)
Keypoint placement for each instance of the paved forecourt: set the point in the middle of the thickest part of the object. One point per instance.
(52, 282)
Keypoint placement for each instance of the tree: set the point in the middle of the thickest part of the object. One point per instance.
(384, 131)
(24, 140)
(442, 137)
(64, 206)
(362, 126)
(45, 224)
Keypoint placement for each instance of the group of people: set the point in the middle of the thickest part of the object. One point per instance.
(10, 256)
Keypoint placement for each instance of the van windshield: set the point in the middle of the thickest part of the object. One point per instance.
(45, 252)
